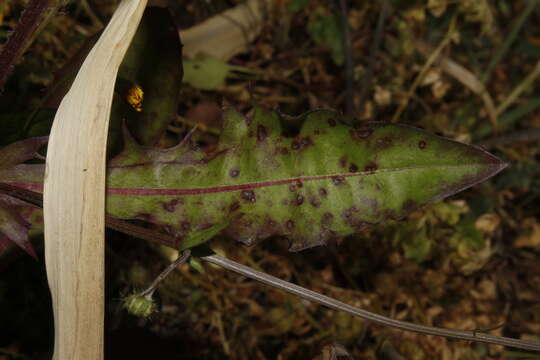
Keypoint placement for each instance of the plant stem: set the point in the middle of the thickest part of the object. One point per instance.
(508, 40)
(35, 17)
(522, 86)
(364, 314)
(375, 45)
(431, 59)
(181, 259)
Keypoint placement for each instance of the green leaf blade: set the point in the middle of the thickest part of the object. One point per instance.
(327, 182)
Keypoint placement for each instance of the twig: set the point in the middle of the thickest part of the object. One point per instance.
(349, 67)
(181, 259)
(522, 86)
(465, 77)
(170, 241)
(529, 135)
(516, 27)
(379, 319)
(34, 18)
(375, 45)
(431, 59)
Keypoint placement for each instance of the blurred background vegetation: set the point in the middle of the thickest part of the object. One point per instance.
(465, 69)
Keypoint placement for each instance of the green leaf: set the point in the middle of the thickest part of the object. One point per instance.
(154, 62)
(325, 183)
(209, 73)
(195, 238)
(325, 30)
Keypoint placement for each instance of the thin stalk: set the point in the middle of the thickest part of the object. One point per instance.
(431, 59)
(35, 17)
(516, 27)
(522, 86)
(375, 45)
(364, 314)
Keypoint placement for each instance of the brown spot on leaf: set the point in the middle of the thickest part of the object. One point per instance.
(171, 205)
(315, 202)
(349, 212)
(422, 144)
(289, 224)
(299, 200)
(306, 142)
(234, 173)
(338, 180)
(371, 166)
(361, 133)
(409, 206)
(292, 188)
(295, 145)
(327, 218)
(343, 161)
(185, 226)
(262, 133)
(299, 183)
(248, 195)
(234, 206)
(353, 168)
(322, 192)
(384, 142)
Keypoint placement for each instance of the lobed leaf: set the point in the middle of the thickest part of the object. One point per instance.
(325, 183)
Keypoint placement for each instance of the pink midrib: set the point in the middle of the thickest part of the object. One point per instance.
(238, 187)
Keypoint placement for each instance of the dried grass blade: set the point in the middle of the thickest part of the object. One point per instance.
(74, 193)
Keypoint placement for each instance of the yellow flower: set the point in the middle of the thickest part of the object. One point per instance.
(135, 97)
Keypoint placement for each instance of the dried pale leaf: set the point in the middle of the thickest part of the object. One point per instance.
(74, 193)
(226, 34)
(530, 234)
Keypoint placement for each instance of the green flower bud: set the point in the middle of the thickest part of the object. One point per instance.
(140, 305)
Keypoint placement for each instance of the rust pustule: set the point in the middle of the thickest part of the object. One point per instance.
(234, 173)
(248, 195)
(332, 122)
(338, 180)
(306, 141)
(299, 200)
(283, 151)
(327, 218)
(343, 162)
(262, 133)
(384, 142)
(185, 226)
(295, 145)
(353, 168)
(292, 188)
(371, 166)
(234, 206)
(289, 224)
(322, 192)
(315, 202)
(361, 133)
(409, 206)
(422, 144)
(349, 212)
(170, 205)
